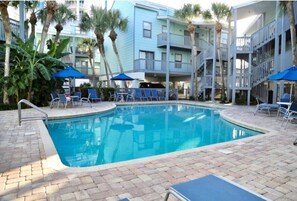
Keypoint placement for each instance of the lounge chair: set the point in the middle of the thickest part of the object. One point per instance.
(266, 107)
(291, 113)
(130, 95)
(147, 94)
(155, 94)
(64, 100)
(138, 94)
(93, 95)
(212, 187)
(55, 99)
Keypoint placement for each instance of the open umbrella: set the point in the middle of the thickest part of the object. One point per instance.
(122, 77)
(68, 72)
(290, 74)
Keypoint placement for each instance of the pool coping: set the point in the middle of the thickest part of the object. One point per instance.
(55, 163)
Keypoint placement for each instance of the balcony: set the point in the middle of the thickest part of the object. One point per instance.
(158, 66)
(14, 26)
(243, 45)
(88, 71)
(81, 53)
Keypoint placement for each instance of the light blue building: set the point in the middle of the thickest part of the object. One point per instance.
(144, 47)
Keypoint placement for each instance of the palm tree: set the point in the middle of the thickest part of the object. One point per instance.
(188, 13)
(115, 21)
(99, 23)
(29, 5)
(219, 11)
(6, 25)
(51, 7)
(61, 16)
(89, 44)
(288, 7)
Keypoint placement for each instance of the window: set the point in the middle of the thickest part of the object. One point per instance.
(164, 29)
(147, 29)
(148, 59)
(81, 3)
(178, 60)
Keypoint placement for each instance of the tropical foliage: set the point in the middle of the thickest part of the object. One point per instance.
(6, 25)
(31, 72)
(219, 12)
(187, 13)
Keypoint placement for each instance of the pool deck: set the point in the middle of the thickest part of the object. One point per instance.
(266, 164)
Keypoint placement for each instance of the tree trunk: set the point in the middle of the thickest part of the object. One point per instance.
(6, 25)
(58, 28)
(100, 42)
(290, 8)
(44, 32)
(33, 21)
(219, 33)
(90, 56)
(113, 37)
(51, 6)
(191, 29)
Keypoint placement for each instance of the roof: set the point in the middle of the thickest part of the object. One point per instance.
(255, 7)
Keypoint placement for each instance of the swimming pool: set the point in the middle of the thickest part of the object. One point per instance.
(131, 132)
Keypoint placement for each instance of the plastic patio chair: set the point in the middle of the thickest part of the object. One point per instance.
(93, 95)
(155, 94)
(138, 94)
(291, 114)
(55, 99)
(212, 187)
(147, 94)
(64, 100)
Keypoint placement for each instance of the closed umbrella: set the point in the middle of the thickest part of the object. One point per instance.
(289, 74)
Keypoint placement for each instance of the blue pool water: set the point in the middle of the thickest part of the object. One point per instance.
(131, 132)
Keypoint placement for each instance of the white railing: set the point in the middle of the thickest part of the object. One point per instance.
(263, 35)
(149, 65)
(261, 72)
(31, 118)
(205, 54)
(243, 44)
(181, 41)
(14, 27)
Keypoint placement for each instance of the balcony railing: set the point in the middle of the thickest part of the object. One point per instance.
(158, 66)
(263, 35)
(180, 41)
(88, 70)
(261, 72)
(14, 27)
(243, 44)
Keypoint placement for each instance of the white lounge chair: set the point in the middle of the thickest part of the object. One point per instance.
(266, 107)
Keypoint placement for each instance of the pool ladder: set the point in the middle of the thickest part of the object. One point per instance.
(31, 118)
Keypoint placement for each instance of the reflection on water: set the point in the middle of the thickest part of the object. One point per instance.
(131, 132)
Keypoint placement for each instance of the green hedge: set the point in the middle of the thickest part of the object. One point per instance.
(8, 106)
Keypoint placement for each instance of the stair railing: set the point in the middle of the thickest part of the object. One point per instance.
(31, 118)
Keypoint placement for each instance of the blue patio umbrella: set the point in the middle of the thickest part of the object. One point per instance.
(68, 72)
(290, 74)
(122, 76)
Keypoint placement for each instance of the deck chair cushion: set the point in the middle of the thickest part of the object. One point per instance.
(213, 188)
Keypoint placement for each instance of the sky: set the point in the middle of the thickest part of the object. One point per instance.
(205, 4)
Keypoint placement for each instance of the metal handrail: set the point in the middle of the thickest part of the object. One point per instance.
(30, 118)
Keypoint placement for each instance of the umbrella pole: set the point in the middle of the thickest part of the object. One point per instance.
(291, 91)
